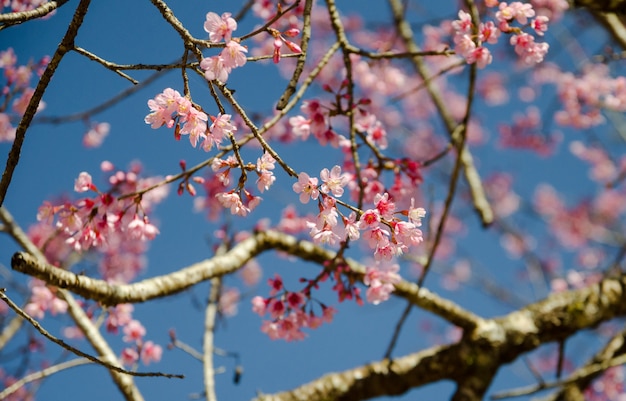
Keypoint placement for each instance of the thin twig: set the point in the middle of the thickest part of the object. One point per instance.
(73, 350)
(304, 45)
(42, 374)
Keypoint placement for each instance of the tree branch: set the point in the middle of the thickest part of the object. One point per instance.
(479, 354)
(23, 16)
(481, 205)
(219, 265)
(67, 43)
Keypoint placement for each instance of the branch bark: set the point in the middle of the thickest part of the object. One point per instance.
(474, 360)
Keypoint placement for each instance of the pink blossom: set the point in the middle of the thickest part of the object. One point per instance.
(83, 183)
(150, 352)
(540, 24)
(251, 273)
(133, 331)
(95, 136)
(481, 56)
(306, 187)
(333, 181)
(7, 131)
(233, 55)
(222, 126)
(129, 356)
(233, 201)
(163, 106)
(295, 299)
(215, 69)
(351, 227)
(276, 284)
(195, 124)
(380, 280)
(301, 126)
(464, 23)
(385, 206)
(219, 27)
(259, 305)
(489, 32)
(229, 298)
(369, 219)
(119, 316)
(529, 51)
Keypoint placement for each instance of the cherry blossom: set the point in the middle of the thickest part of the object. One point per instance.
(306, 187)
(219, 27)
(333, 181)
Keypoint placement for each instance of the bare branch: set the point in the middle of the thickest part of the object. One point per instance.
(219, 265)
(67, 43)
(42, 374)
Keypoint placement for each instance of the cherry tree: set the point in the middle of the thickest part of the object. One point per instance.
(311, 200)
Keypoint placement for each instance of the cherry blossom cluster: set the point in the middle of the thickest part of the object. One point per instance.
(469, 40)
(240, 200)
(16, 90)
(290, 312)
(43, 299)
(526, 133)
(380, 280)
(603, 169)
(279, 37)
(584, 96)
(382, 230)
(170, 109)
(117, 228)
(233, 56)
(575, 226)
(148, 351)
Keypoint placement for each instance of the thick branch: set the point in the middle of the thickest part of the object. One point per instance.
(219, 265)
(476, 357)
(23, 16)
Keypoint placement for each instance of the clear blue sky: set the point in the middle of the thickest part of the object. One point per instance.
(52, 157)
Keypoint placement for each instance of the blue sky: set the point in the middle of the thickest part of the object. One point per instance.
(52, 157)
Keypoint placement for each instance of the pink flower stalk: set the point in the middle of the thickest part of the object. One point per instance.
(219, 27)
(279, 40)
(306, 187)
